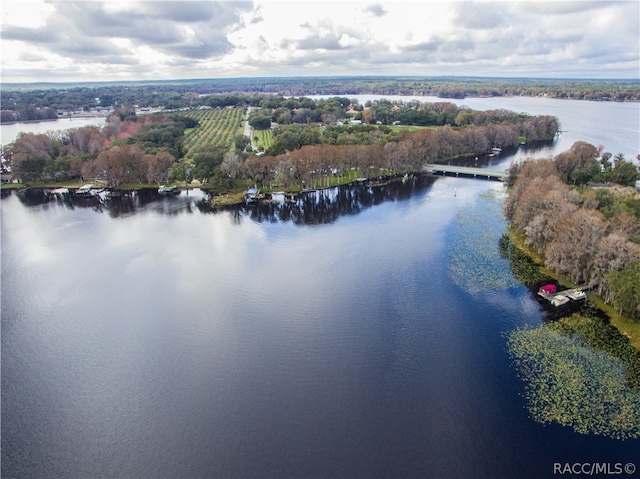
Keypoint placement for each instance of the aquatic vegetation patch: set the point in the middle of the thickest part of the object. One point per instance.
(475, 260)
(522, 267)
(574, 378)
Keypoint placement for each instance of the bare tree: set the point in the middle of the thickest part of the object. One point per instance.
(231, 164)
(158, 166)
(614, 252)
(575, 247)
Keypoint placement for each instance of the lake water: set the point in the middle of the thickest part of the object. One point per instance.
(9, 132)
(153, 337)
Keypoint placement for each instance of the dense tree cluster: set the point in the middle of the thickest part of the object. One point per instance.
(583, 163)
(28, 102)
(590, 235)
(480, 132)
(128, 149)
(28, 113)
(305, 155)
(336, 110)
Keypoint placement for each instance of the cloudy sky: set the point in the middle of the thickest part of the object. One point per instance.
(128, 40)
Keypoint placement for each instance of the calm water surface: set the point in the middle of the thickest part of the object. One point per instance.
(156, 338)
(9, 132)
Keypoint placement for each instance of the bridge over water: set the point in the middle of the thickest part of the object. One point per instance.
(467, 171)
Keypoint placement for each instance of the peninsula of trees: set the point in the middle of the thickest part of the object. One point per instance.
(311, 141)
(590, 234)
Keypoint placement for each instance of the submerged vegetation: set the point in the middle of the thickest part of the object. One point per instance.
(582, 373)
(579, 371)
(522, 267)
(475, 263)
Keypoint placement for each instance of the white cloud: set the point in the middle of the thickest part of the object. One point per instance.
(62, 40)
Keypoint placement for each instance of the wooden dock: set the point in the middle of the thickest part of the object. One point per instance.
(466, 171)
(562, 297)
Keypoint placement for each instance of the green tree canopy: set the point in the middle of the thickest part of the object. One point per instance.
(206, 163)
(625, 289)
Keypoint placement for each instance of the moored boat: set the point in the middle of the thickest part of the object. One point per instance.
(168, 190)
(559, 300)
(85, 190)
(547, 290)
(577, 295)
(252, 195)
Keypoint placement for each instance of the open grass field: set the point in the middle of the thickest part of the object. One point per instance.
(265, 138)
(218, 126)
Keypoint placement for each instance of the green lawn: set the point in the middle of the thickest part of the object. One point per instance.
(265, 138)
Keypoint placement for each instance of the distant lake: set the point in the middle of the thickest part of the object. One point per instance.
(9, 132)
(358, 332)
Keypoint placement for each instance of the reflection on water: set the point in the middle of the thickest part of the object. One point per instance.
(308, 208)
(152, 336)
(326, 206)
(116, 203)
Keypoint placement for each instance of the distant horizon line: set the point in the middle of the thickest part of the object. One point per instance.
(320, 77)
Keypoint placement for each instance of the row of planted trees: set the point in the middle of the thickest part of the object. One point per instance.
(217, 126)
(576, 236)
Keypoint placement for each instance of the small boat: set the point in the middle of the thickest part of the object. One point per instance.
(168, 190)
(547, 289)
(577, 295)
(85, 190)
(252, 195)
(559, 300)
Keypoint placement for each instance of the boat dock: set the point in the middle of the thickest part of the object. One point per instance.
(558, 298)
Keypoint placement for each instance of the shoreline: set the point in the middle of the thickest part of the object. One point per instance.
(629, 328)
(52, 120)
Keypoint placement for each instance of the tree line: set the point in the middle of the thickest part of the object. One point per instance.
(20, 101)
(591, 235)
(470, 133)
(336, 110)
(305, 156)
